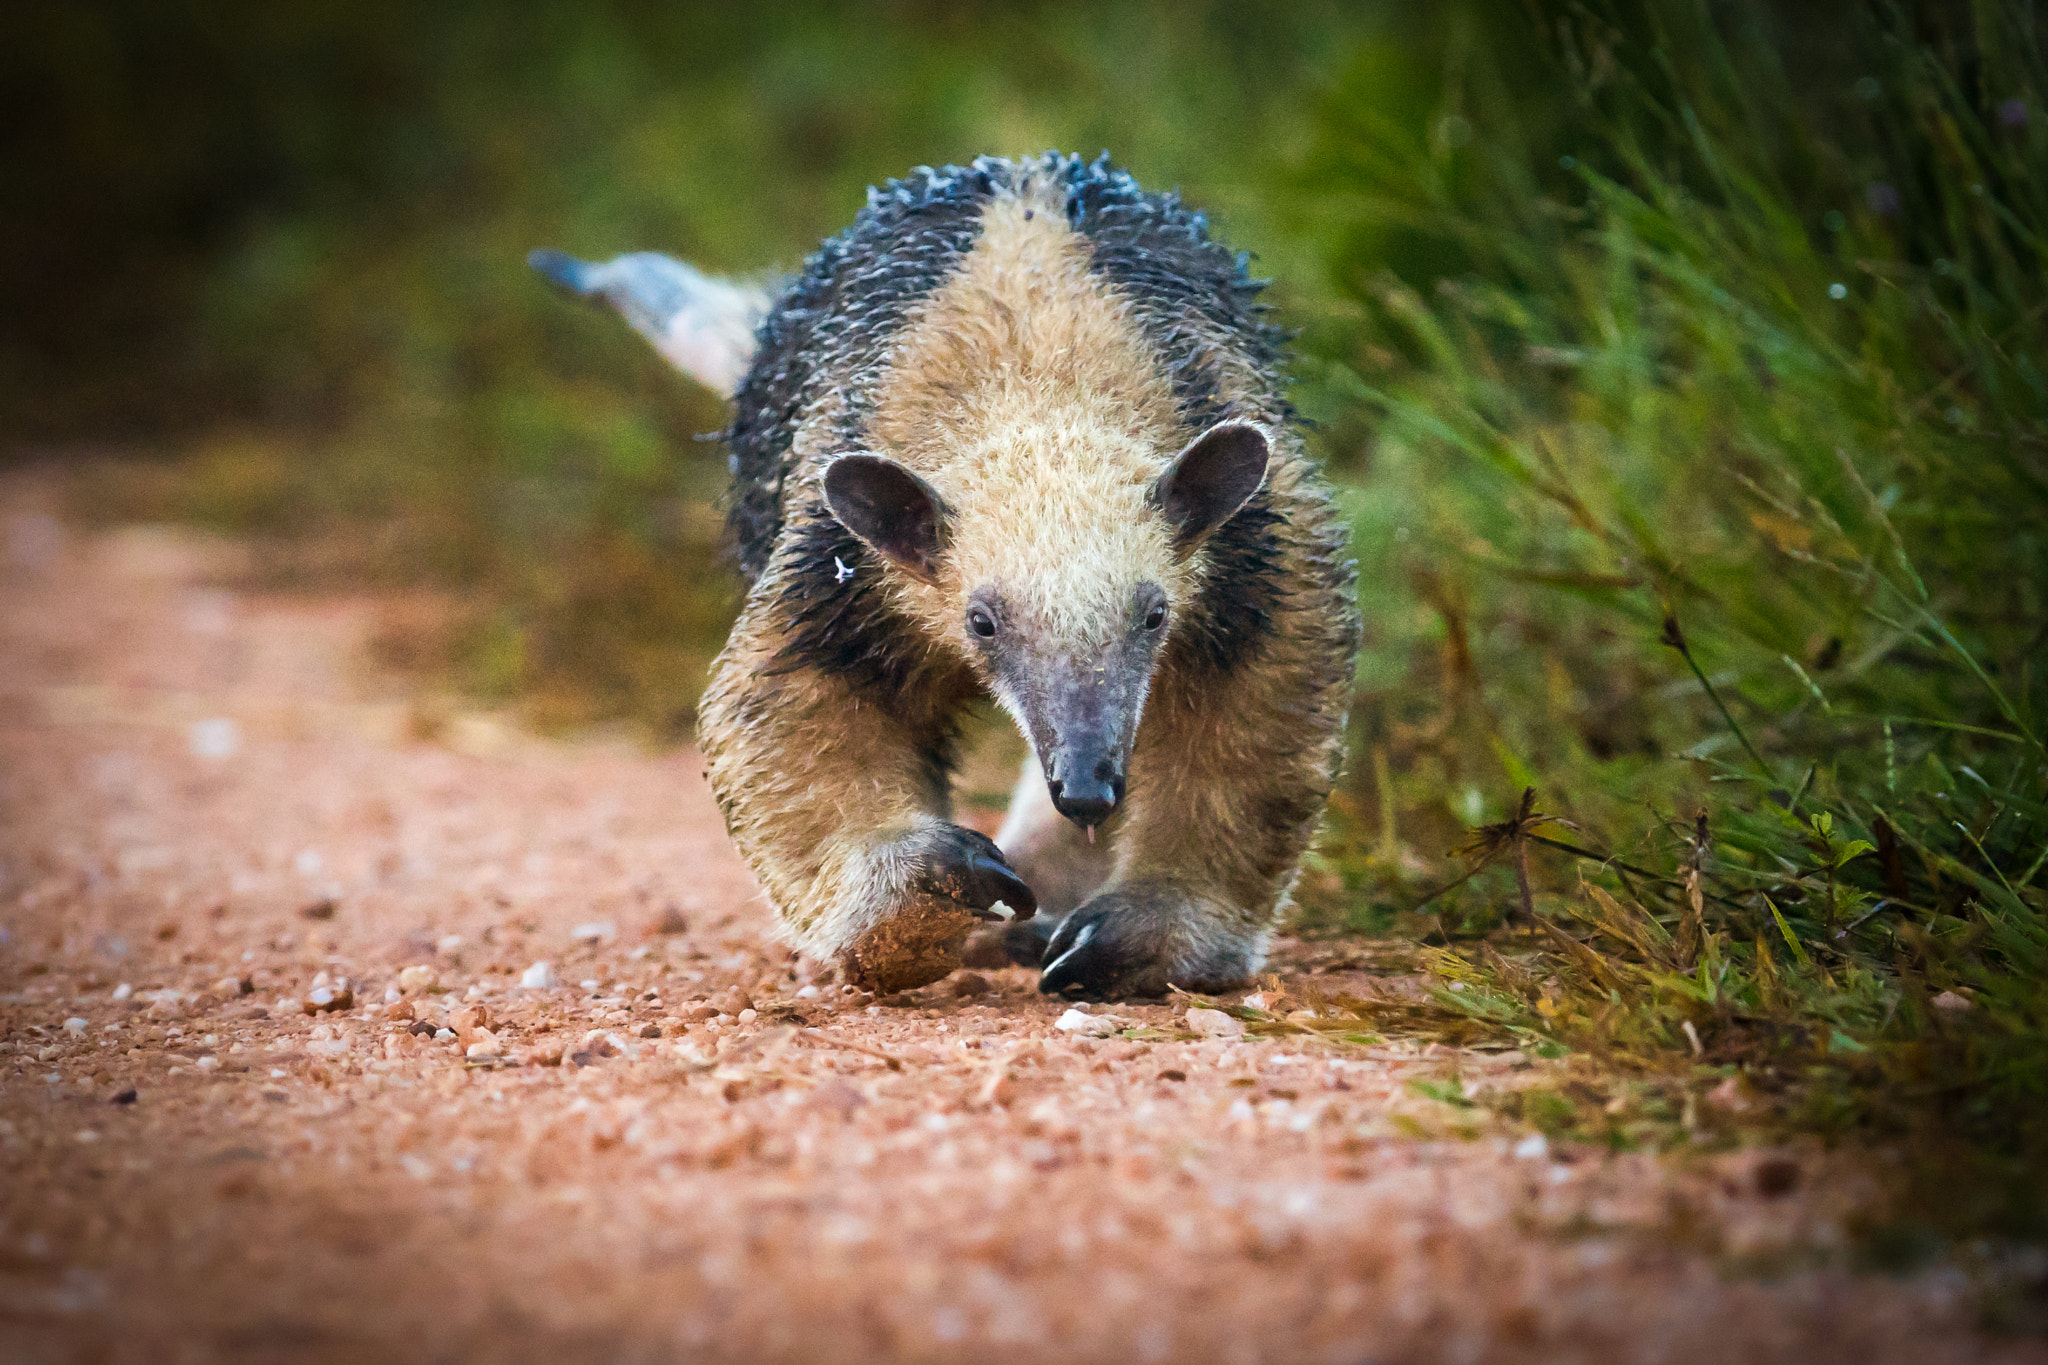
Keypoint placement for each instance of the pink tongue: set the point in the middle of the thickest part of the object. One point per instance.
(1091, 834)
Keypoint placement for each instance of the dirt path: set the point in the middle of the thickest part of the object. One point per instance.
(207, 816)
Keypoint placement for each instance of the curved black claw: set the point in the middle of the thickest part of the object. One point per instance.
(965, 865)
(1106, 950)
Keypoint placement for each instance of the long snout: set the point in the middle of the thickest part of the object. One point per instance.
(1083, 716)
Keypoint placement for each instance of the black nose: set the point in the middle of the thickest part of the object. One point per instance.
(1086, 792)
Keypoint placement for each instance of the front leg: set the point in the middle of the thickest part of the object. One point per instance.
(1206, 855)
(836, 793)
(1227, 785)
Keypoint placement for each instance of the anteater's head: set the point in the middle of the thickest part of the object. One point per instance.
(1058, 563)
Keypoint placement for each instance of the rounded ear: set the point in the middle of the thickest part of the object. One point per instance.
(890, 508)
(1207, 482)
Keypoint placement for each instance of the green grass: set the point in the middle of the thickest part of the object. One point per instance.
(1700, 435)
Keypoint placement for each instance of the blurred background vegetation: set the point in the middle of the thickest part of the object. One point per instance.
(1681, 364)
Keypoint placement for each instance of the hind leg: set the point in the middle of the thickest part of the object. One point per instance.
(1053, 857)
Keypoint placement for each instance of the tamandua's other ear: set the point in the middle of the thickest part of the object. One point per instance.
(1208, 481)
(890, 508)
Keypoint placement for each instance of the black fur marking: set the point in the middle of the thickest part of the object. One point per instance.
(831, 326)
(1246, 574)
(835, 609)
(1188, 290)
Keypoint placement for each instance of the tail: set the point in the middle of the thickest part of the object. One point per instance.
(701, 324)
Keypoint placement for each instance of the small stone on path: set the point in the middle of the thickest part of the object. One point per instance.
(1087, 1025)
(1214, 1023)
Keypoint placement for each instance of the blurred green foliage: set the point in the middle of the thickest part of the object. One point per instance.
(287, 242)
(1705, 400)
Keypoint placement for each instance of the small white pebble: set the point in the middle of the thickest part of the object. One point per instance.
(444, 1035)
(218, 737)
(1087, 1025)
(1533, 1147)
(587, 985)
(748, 1016)
(208, 1063)
(1947, 1000)
(1214, 1023)
(540, 977)
(448, 943)
(593, 932)
(418, 978)
(122, 991)
(75, 1026)
(1255, 1001)
(392, 995)
(807, 993)
(86, 1135)
(484, 1049)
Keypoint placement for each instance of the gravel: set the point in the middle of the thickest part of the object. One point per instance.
(951, 1177)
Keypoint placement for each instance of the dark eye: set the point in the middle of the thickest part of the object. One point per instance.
(981, 623)
(1156, 617)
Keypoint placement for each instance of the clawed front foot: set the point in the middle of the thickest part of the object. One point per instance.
(929, 889)
(965, 866)
(1140, 940)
